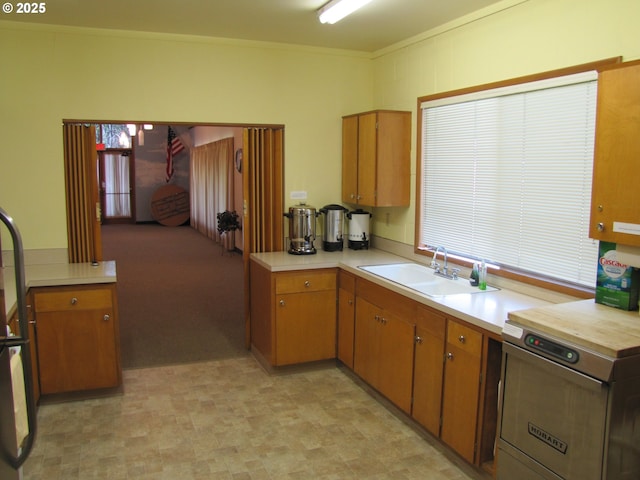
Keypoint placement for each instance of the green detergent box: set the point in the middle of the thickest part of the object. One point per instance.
(617, 284)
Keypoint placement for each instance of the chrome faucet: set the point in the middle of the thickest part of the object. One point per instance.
(435, 264)
(444, 271)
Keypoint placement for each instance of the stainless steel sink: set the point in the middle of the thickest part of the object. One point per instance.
(422, 279)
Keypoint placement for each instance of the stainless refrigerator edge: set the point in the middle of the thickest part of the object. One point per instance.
(17, 404)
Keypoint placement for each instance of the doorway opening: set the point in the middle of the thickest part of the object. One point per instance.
(258, 162)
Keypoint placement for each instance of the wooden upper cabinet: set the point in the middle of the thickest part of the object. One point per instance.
(350, 159)
(376, 150)
(615, 216)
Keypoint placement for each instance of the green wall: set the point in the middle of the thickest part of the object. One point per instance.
(53, 73)
(50, 74)
(511, 39)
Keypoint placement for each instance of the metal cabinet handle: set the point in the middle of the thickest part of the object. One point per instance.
(461, 339)
(381, 319)
(74, 301)
(600, 227)
(450, 356)
(106, 318)
(419, 340)
(282, 303)
(350, 302)
(307, 283)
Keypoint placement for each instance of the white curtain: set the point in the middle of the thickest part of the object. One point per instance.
(212, 187)
(116, 178)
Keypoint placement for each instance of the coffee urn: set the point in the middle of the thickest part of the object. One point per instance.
(302, 229)
(358, 229)
(332, 240)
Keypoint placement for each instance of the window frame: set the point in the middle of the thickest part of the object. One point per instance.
(504, 271)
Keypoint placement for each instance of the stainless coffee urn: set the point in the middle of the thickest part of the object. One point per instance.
(302, 229)
(332, 240)
(358, 229)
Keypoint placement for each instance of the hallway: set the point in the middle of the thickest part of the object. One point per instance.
(179, 299)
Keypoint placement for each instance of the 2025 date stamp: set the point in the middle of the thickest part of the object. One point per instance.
(28, 8)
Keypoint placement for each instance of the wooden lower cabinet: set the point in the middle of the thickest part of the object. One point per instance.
(346, 317)
(77, 338)
(384, 343)
(429, 368)
(461, 389)
(438, 369)
(305, 327)
(293, 315)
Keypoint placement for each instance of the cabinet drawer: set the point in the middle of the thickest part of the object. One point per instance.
(69, 300)
(311, 281)
(346, 281)
(464, 338)
(432, 322)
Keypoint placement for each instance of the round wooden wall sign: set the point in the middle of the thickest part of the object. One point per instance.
(170, 205)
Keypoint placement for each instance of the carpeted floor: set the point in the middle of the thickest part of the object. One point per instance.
(179, 299)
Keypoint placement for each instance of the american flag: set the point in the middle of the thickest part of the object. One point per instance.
(174, 147)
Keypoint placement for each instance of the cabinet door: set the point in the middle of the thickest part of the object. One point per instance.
(383, 354)
(616, 174)
(367, 159)
(460, 397)
(305, 327)
(395, 359)
(367, 346)
(346, 326)
(350, 159)
(77, 350)
(429, 370)
(393, 159)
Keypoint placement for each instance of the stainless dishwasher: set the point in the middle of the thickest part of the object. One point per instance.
(566, 412)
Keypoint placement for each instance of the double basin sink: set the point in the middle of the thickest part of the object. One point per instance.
(423, 279)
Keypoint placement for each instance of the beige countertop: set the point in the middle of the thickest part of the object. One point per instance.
(607, 330)
(56, 274)
(487, 310)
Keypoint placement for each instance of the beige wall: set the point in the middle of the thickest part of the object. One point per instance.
(511, 39)
(50, 74)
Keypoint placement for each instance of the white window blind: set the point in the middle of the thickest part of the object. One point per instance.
(506, 176)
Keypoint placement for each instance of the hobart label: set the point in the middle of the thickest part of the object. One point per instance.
(547, 438)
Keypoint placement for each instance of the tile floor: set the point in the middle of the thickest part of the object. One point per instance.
(229, 419)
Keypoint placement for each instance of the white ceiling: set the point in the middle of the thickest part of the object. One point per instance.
(377, 25)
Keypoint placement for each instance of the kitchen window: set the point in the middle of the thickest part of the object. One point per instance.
(505, 175)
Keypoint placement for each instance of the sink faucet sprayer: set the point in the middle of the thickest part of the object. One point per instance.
(435, 264)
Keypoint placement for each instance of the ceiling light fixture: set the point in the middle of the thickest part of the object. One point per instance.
(336, 10)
